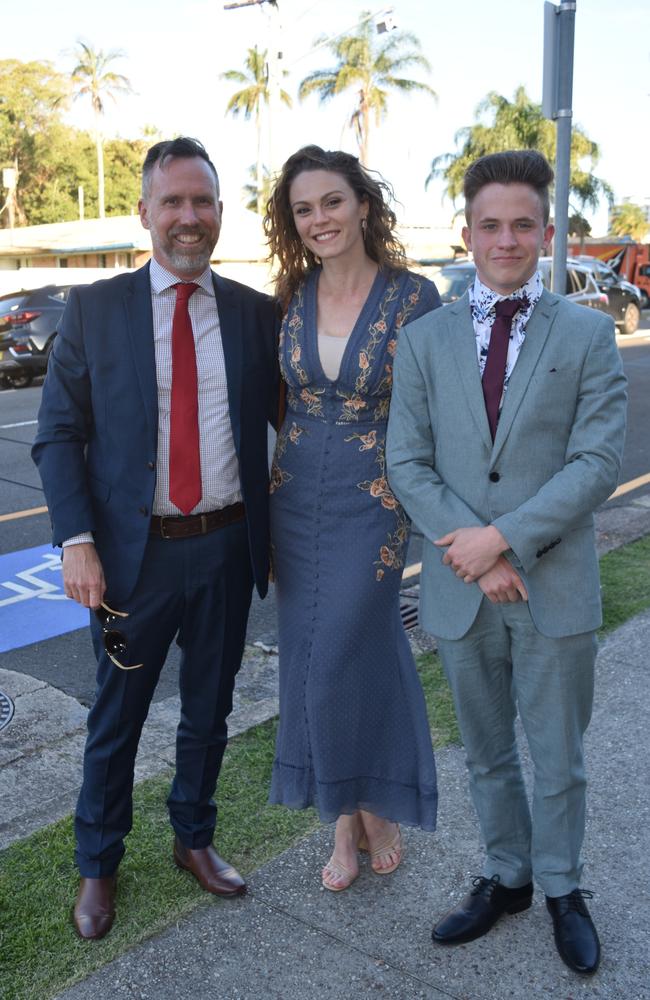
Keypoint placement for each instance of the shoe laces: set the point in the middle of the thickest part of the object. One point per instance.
(576, 901)
(484, 886)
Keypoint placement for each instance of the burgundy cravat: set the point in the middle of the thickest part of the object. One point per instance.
(184, 453)
(495, 365)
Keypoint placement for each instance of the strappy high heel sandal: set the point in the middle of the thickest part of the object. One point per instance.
(393, 846)
(340, 872)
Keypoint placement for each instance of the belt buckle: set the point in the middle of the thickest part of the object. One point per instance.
(162, 528)
(204, 524)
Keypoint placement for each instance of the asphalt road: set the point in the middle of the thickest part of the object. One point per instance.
(66, 661)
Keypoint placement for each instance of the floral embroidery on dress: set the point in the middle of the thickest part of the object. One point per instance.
(353, 402)
(391, 555)
(293, 324)
(291, 436)
(312, 401)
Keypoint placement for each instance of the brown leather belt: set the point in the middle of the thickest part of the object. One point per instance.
(196, 524)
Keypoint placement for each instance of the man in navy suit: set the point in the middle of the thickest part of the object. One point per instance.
(152, 448)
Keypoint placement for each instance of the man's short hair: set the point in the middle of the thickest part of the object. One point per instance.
(515, 166)
(184, 148)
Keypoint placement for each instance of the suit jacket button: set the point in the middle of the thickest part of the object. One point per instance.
(151, 465)
(494, 477)
(144, 511)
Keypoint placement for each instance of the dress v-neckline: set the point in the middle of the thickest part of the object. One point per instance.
(311, 325)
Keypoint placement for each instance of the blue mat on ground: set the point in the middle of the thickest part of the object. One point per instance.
(33, 605)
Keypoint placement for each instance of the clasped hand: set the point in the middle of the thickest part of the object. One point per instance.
(476, 556)
(471, 552)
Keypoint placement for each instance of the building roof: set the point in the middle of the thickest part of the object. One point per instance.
(241, 239)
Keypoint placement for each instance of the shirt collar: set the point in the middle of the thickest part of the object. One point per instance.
(162, 279)
(483, 299)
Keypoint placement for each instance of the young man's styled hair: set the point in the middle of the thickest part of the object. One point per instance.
(182, 147)
(515, 166)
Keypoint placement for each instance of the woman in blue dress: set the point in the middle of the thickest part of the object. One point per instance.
(353, 736)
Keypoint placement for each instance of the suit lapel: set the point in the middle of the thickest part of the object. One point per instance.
(537, 331)
(464, 352)
(139, 315)
(232, 340)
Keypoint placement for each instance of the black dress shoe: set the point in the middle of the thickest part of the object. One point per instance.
(480, 910)
(575, 935)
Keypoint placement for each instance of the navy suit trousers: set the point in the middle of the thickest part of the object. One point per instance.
(197, 591)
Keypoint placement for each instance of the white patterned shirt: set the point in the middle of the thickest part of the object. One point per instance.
(220, 484)
(483, 300)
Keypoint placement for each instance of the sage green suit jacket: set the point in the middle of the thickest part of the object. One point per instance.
(555, 458)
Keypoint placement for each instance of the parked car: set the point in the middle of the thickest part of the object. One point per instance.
(28, 322)
(625, 298)
(582, 287)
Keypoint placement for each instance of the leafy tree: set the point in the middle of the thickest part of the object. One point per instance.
(124, 159)
(628, 219)
(31, 98)
(519, 124)
(249, 100)
(579, 226)
(65, 161)
(92, 78)
(372, 69)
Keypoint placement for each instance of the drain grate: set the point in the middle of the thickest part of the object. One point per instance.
(409, 612)
(6, 709)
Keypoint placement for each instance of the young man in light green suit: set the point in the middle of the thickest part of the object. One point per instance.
(505, 435)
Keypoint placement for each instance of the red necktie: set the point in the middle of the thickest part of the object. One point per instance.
(495, 365)
(184, 453)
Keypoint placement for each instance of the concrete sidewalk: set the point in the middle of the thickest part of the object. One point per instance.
(290, 939)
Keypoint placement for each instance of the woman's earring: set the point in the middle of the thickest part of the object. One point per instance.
(364, 227)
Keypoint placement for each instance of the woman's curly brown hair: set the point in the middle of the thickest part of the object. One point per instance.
(286, 249)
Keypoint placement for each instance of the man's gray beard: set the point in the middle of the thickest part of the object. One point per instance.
(189, 262)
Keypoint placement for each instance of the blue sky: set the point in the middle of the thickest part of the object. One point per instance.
(175, 52)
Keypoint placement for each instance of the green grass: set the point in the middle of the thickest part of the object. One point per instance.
(440, 704)
(625, 579)
(39, 952)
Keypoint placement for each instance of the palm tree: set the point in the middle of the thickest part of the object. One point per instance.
(249, 100)
(92, 78)
(628, 219)
(520, 124)
(372, 69)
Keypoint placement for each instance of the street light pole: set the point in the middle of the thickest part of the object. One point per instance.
(559, 34)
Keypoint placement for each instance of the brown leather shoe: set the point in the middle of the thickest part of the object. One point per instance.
(94, 911)
(211, 872)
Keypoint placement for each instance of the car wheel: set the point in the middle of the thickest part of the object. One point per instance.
(21, 381)
(631, 318)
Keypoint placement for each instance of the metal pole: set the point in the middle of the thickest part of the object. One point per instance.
(564, 113)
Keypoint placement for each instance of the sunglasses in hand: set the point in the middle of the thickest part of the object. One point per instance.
(115, 641)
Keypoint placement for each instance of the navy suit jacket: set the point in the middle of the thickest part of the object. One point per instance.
(96, 446)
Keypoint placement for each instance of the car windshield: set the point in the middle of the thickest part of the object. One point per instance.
(452, 282)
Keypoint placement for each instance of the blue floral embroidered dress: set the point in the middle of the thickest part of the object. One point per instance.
(353, 730)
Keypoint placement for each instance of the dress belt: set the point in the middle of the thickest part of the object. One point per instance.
(196, 524)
